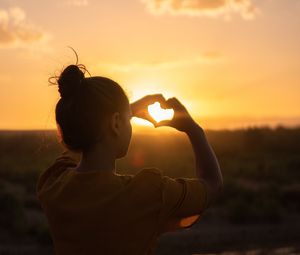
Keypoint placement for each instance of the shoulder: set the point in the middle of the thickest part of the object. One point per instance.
(52, 173)
(149, 175)
(146, 180)
(64, 160)
(150, 171)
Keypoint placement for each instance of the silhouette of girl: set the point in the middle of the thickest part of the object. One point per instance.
(91, 209)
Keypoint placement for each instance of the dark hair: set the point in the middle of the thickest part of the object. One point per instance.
(84, 107)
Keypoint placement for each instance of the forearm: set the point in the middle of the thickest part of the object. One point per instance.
(207, 166)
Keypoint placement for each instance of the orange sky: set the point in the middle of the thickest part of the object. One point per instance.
(232, 63)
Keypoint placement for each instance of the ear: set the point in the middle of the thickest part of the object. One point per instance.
(115, 123)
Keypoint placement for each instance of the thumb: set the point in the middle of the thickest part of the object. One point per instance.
(163, 123)
(149, 118)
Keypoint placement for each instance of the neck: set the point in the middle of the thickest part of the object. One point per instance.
(101, 157)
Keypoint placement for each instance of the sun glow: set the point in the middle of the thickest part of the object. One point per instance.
(160, 114)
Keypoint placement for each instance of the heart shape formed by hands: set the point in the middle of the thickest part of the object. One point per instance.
(158, 114)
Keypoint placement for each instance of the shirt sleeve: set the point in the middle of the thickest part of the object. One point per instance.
(183, 202)
(64, 160)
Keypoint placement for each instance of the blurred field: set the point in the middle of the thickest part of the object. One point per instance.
(257, 213)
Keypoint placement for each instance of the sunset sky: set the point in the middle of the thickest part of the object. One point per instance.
(232, 63)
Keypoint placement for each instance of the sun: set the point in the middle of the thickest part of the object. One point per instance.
(160, 114)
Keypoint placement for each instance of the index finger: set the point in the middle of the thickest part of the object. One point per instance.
(175, 104)
(155, 98)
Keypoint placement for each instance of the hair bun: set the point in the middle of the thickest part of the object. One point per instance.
(70, 81)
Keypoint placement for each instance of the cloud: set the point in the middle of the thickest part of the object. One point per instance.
(205, 58)
(209, 8)
(15, 30)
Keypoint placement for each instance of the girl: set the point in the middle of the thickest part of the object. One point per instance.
(90, 208)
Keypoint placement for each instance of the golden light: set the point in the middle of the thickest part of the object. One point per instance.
(160, 114)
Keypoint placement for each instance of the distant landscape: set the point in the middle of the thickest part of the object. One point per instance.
(258, 209)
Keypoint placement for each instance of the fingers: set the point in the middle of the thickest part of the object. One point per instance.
(150, 99)
(163, 123)
(149, 118)
(174, 103)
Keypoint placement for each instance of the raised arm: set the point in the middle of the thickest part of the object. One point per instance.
(207, 166)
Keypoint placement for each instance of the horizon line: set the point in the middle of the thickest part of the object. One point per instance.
(143, 129)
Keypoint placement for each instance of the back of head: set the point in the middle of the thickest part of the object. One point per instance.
(85, 106)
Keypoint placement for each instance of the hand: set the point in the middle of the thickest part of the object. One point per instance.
(181, 120)
(139, 108)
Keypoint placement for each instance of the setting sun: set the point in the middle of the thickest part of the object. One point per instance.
(160, 114)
